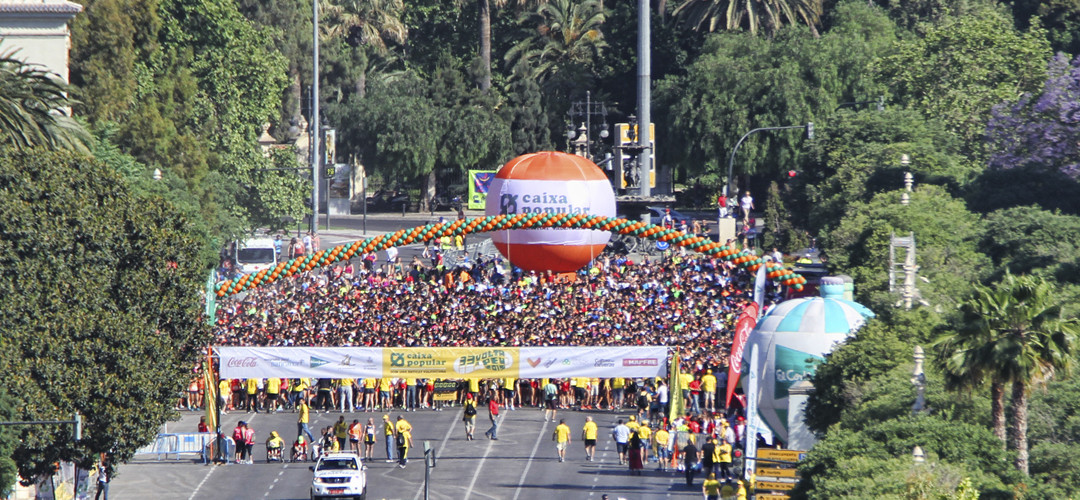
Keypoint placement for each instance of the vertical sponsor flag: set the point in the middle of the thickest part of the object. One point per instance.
(211, 394)
(211, 300)
(479, 184)
(675, 398)
(759, 288)
(751, 415)
(743, 326)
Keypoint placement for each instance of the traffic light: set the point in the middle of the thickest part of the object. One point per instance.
(809, 130)
(76, 434)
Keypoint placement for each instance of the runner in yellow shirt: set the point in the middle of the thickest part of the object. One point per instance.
(661, 438)
(474, 388)
(384, 394)
(588, 436)
(251, 387)
(618, 389)
(644, 432)
(509, 390)
(369, 394)
(561, 436)
(273, 393)
(224, 396)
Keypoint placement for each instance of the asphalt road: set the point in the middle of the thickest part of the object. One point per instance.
(521, 465)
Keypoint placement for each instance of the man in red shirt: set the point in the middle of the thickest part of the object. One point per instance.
(695, 394)
(493, 414)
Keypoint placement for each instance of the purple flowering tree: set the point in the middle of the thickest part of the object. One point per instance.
(1041, 130)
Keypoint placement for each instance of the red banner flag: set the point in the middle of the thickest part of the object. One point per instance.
(743, 326)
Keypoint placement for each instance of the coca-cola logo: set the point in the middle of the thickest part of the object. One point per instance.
(248, 362)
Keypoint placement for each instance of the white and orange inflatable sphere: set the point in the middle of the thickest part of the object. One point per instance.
(552, 182)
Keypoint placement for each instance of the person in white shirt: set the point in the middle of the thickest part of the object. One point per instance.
(746, 203)
(621, 435)
(662, 398)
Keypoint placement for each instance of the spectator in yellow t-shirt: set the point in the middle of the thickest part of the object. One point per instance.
(708, 386)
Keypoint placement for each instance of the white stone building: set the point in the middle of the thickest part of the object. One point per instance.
(38, 29)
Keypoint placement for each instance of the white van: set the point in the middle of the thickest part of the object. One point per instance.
(256, 254)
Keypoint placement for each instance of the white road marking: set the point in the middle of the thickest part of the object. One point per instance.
(528, 463)
(442, 447)
(201, 483)
(480, 466)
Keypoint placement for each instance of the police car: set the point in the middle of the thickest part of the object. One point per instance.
(339, 475)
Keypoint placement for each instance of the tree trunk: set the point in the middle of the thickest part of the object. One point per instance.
(484, 13)
(1020, 424)
(361, 83)
(361, 79)
(997, 409)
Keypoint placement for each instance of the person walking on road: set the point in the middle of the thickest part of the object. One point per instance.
(404, 442)
(561, 436)
(588, 436)
(691, 455)
(621, 435)
(493, 414)
(710, 455)
(551, 392)
(663, 450)
(302, 421)
(470, 417)
(389, 433)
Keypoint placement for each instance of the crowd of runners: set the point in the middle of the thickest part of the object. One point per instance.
(687, 302)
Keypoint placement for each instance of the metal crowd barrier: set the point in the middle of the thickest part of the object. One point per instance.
(178, 444)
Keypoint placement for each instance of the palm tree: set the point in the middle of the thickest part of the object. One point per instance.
(567, 38)
(754, 15)
(1014, 333)
(965, 358)
(483, 9)
(366, 24)
(34, 109)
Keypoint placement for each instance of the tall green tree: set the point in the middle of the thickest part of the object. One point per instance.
(34, 109)
(741, 82)
(946, 234)
(100, 290)
(1013, 333)
(963, 67)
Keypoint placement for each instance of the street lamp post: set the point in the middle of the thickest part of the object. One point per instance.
(584, 111)
(731, 160)
(315, 117)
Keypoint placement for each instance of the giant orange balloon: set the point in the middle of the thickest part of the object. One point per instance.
(554, 183)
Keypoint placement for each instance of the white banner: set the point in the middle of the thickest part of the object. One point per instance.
(435, 362)
(301, 362)
(600, 362)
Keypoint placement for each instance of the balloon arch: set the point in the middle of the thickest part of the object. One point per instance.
(741, 257)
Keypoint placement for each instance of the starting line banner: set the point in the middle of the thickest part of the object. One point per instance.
(442, 362)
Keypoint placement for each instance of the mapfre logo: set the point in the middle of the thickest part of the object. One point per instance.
(640, 362)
